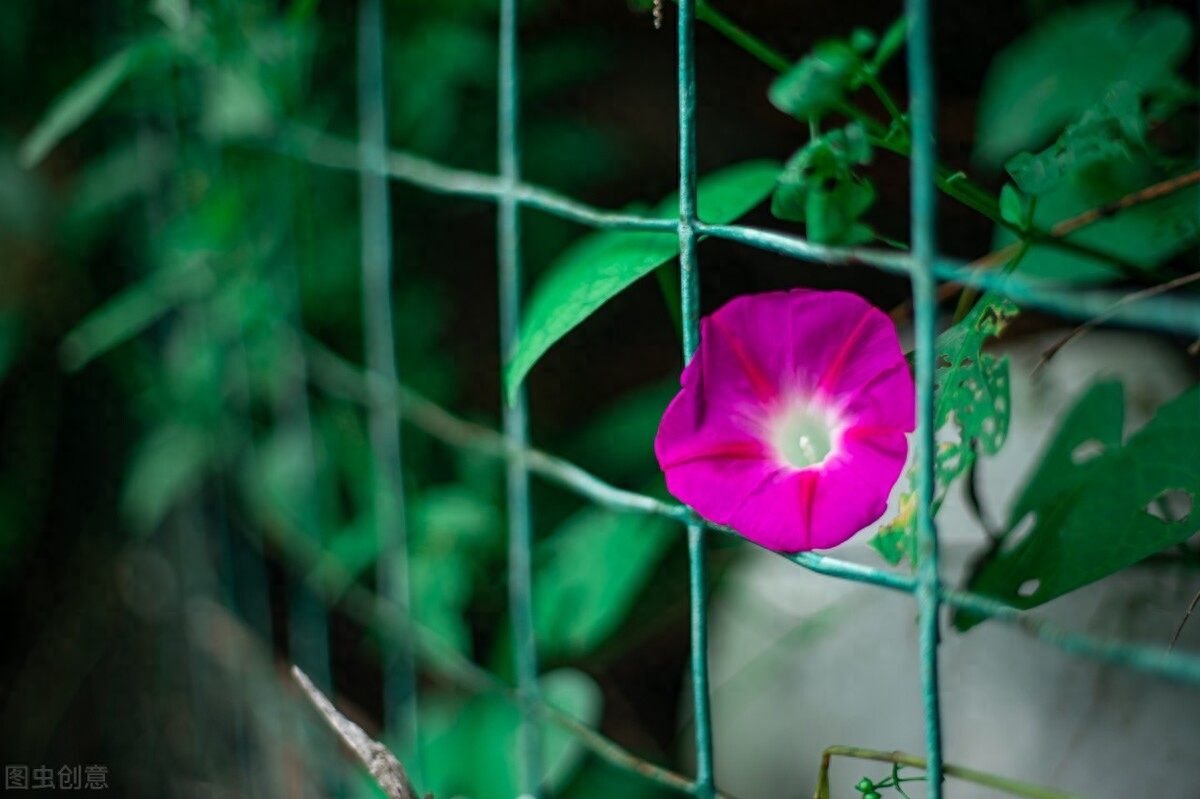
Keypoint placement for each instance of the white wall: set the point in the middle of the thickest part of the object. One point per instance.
(802, 661)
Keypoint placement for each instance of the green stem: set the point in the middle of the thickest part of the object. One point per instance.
(966, 300)
(748, 42)
(884, 96)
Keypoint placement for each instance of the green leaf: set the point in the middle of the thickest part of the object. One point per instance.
(1054, 73)
(167, 466)
(893, 39)
(173, 13)
(817, 82)
(818, 187)
(971, 412)
(76, 104)
(1114, 128)
(236, 104)
(1144, 235)
(472, 749)
(347, 555)
(617, 442)
(452, 529)
(1012, 206)
(831, 215)
(132, 311)
(971, 386)
(1095, 503)
(589, 574)
(601, 265)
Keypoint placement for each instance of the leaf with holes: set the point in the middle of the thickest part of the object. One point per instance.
(1113, 129)
(601, 265)
(971, 412)
(818, 187)
(1099, 506)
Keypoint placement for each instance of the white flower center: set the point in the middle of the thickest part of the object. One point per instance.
(803, 435)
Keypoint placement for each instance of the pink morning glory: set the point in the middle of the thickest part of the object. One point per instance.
(790, 426)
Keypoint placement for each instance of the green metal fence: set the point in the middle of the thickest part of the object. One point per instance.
(923, 265)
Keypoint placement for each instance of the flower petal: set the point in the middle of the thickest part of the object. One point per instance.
(759, 356)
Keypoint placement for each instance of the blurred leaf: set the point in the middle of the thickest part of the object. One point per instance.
(1095, 502)
(1012, 205)
(345, 557)
(863, 40)
(1057, 71)
(76, 104)
(818, 187)
(832, 216)
(601, 265)
(450, 518)
(167, 466)
(282, 482)
(453, 533)
(891, 43)
(128, 170)
(471, 749)
(1144, 235)
(236, 104)
(441, 589)
(173, 13)
(590, 572)
(1108, 130)
(618, 441)
(971, 410)
(132, 311)
(818, 82)
(599, 779)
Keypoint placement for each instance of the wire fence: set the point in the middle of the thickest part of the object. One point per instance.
(378, 386)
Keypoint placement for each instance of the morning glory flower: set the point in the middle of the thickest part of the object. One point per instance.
(790, 426)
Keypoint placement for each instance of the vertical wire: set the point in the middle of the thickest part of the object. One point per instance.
(516, 417)
(399, 670)
(921, 93)
(690, 301)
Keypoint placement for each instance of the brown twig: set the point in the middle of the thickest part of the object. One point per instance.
(1157, 191)
(996, 258)
(384, 767)
(1183, 621)
(1152, 291)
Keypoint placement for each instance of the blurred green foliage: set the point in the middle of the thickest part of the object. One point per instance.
(163, 253)
(220, 261)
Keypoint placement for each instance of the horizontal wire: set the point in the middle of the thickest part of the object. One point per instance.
(321, 149)
(339, 377)
(1175, 314)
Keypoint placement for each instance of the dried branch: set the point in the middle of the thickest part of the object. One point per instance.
(1183, 621)
(384, 767)
(1162, 288)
